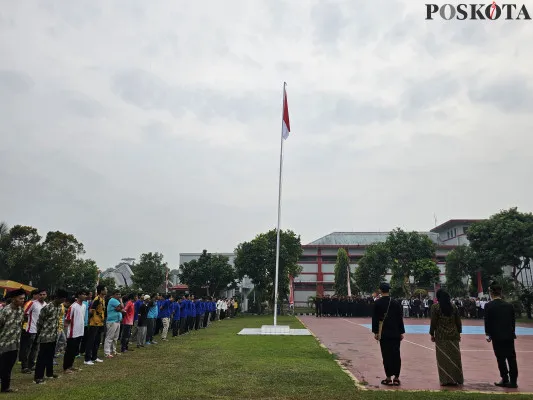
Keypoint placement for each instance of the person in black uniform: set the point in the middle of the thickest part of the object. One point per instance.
(500, 330)
(318, 305)
(389, 312)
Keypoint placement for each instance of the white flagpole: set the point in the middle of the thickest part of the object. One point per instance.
(279, 211)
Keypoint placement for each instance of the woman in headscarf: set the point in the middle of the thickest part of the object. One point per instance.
(445, 331)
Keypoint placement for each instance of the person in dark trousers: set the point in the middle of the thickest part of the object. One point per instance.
(500, 330)
(318, 306)
(96, 326)
(142, 321)
(11, 318)
(388, 329)
(47, 332)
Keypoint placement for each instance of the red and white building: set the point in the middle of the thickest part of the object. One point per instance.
(319, 257)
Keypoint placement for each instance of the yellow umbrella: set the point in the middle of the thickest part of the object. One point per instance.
(12, 285)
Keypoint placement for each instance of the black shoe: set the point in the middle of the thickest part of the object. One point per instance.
(512, 385)
(26, 371)
(502, 383)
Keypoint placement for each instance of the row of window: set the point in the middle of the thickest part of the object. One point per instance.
(355, 259)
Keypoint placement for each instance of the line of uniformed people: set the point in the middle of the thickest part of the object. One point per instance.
(343, 306)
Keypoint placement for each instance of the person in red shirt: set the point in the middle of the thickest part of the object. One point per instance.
(127, 323)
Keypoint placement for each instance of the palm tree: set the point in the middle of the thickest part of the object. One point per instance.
(4, 229)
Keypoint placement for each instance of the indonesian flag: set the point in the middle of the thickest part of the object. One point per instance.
(349, 283)
(291, 289)
(479, 284)
(285, 124)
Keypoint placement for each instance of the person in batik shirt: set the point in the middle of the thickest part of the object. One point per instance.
(11, 318)
(47, 333)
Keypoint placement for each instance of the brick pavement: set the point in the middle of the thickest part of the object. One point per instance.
(356, 348)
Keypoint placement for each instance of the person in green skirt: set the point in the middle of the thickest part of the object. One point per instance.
(445, 331)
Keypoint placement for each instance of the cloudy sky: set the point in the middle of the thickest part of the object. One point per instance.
(155, 125)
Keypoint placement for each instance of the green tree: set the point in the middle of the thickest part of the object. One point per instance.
(461, 263)
(59, 254)
(257, 260)
(21, 254)
(505, 239)
(373, 267)
(84, 275)
(108, 283)
(426, 273)
(211, 273)
(407, 249)
(342, 273)
(149, 274)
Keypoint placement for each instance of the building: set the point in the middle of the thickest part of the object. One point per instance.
(244, 287)
(319, 257)
(121, 274)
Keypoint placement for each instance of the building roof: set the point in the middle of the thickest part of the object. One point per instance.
(359, 238)
(454, 222)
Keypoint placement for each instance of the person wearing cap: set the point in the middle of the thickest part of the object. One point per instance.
(47, 332)
(11, 318)
(142, 321)
(500, 330)
(389, 330)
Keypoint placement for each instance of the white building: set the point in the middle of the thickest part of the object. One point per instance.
(121, 274)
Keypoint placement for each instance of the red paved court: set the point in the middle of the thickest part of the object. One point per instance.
(359, 352)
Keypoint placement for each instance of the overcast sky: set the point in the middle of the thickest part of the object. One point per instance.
(155, 125)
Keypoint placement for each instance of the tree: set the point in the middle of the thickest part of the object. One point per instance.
(406, 250)
(426, 273)
(257, 260)
(59, 253)
(461, 263)
(505, 239)
(84, 275)
(373, 267)
(342, 273)
(212, 272)
(108, 283)
(150, 273)
(21, 253)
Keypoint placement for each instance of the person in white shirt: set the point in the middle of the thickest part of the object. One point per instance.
(405, 304)
(223, 309)
(219, 308)
(75, 327)
(30, 349)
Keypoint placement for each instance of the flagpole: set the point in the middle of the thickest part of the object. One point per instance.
(279, 211)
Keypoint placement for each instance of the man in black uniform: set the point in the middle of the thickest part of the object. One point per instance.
(389, 313)
(500, 330)
(318, 305)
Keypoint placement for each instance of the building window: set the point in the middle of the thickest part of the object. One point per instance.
(329, 259)
(308, 258)
(465, 229)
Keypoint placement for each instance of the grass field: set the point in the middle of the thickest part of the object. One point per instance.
(216, 363)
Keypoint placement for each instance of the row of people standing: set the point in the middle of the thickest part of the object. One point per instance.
(445, 331)
(343, 306)
(34, 330)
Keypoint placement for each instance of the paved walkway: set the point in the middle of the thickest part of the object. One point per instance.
(356, 348)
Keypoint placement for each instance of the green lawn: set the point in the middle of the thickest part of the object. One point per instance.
(216, 363)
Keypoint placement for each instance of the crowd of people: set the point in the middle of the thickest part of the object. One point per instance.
(445, 331)
(38, 332)
(414, 307)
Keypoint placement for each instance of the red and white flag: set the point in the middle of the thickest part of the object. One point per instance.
(285, 125)
(291, 289)
(349, 283)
